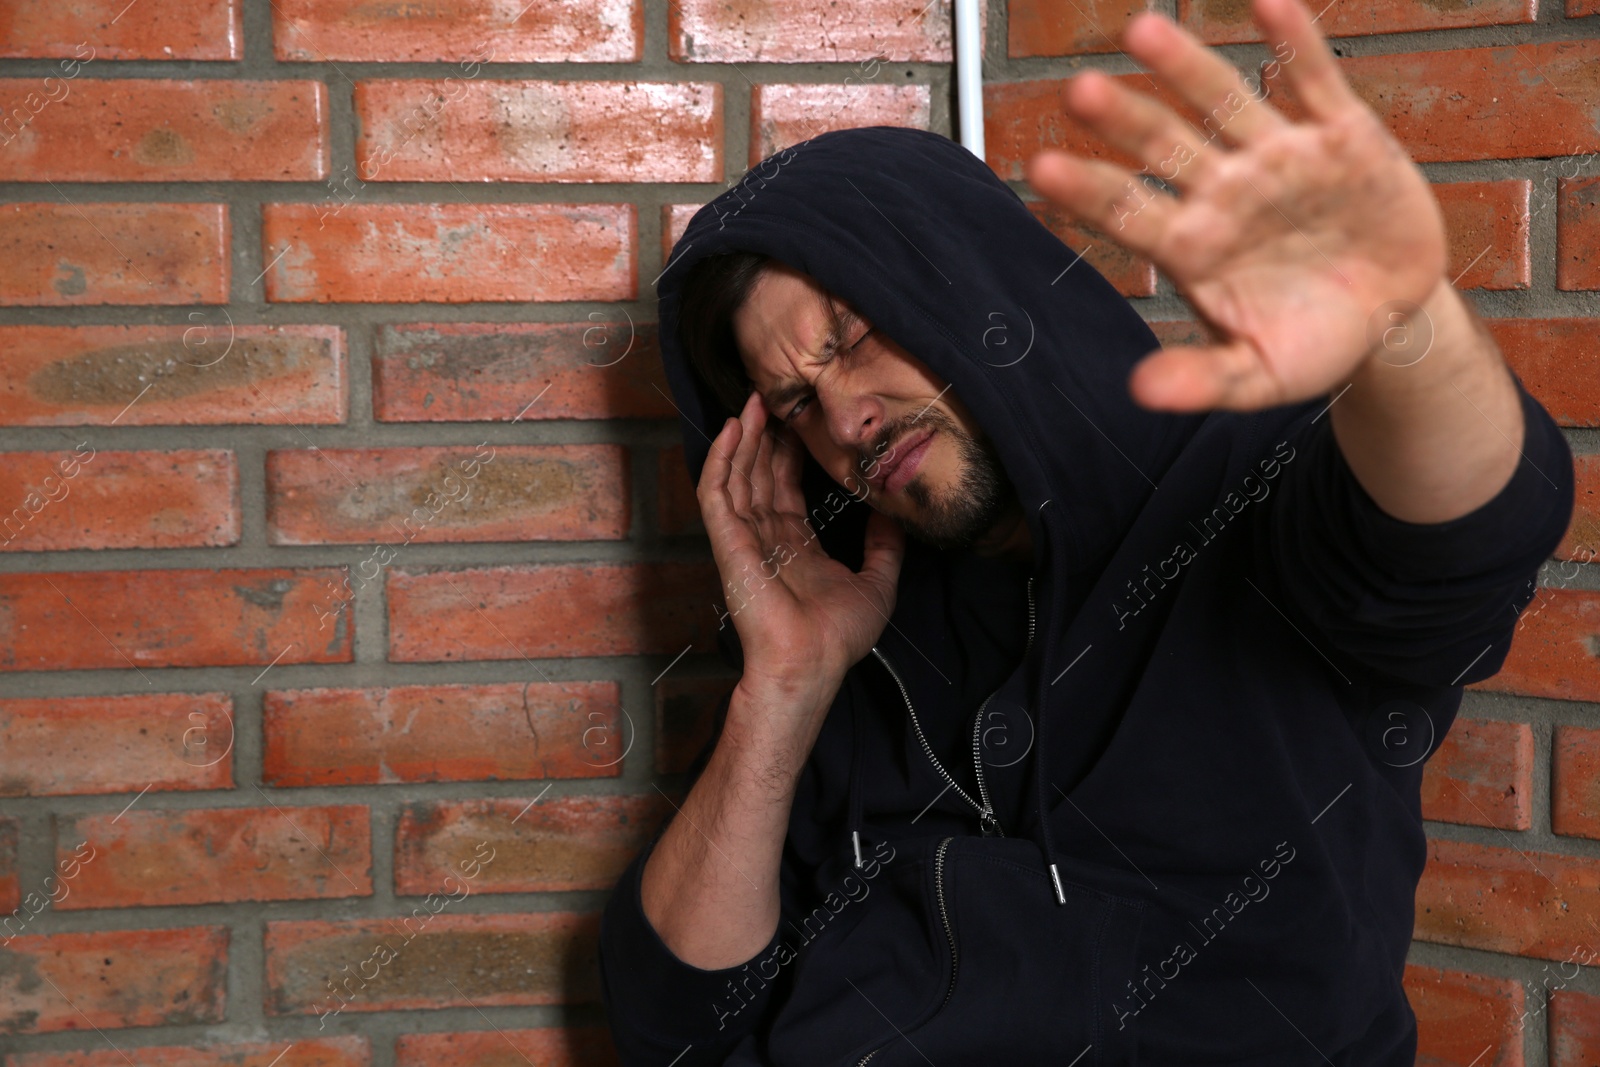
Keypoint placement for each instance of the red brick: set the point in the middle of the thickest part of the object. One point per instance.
(450, 253)
(450, 494)
(10, 885)
(674, 220)
(62, 746)
(498, 372)
(437, 733)
(114, 29)
(1580, 8)
(115, 978)
(350, 1050)
(1220, 21)
(1536, 904)
(1582, 542)
(1574, 1017)
(1488, 224)
(146, 858)
(507, 846)
(468, 31)
(95, 253)
(1503, 104)
(784, 115)
(1578, 233)
(686, 711)
(210, 371)
(146, 129)
(573, 1046)
(1482, 775)
(1556, 650)
(1465, 1018)
(539, 131)
(88, 499)
(797, 31)
(432, 960)
(1046, 28)
(678, 511)
(1558, 361)
(1575, 782)
(169, 618)
(533, 611)
(1132, 275)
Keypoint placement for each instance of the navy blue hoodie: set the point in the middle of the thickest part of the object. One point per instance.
(1201, 715)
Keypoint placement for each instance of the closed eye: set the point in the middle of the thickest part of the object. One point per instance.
(804, 401)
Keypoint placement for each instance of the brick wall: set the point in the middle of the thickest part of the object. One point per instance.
(351, 587)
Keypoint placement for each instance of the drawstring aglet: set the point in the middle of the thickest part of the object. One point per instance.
(1055, 879)
(855, 838)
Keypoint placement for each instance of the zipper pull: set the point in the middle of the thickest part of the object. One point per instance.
(990, 824)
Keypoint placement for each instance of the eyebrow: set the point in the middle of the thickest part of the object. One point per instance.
(780, 397)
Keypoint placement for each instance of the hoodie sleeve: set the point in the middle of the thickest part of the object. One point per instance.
(1431, 603)
(660, 1009)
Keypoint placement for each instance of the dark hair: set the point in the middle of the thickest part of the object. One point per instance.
(716, 287)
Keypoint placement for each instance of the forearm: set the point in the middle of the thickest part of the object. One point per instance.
(710, 886)
(1435, 439)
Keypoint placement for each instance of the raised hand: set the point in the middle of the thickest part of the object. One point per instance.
(1296, 241)
(803, 618)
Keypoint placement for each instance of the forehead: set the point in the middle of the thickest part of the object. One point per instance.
(782, 323)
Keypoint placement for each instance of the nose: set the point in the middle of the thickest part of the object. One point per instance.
(855, 416)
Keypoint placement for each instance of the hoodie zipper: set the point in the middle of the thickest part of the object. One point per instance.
(985, 809)
(949, 931)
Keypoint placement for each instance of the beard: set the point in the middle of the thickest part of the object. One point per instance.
(954, 518)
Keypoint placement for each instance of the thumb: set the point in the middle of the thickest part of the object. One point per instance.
(884, 550)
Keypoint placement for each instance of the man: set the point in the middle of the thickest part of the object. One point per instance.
(1117, 758)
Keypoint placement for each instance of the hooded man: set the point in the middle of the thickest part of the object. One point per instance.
(1117, 758)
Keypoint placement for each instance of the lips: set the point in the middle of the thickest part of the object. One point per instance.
(902, 461)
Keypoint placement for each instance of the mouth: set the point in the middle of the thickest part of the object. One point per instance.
(903, 459)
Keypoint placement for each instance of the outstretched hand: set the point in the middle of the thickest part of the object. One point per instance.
(1295, 241)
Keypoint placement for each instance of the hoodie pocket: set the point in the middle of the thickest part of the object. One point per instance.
(1033, 980)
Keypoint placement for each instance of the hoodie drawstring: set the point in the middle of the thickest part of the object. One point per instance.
(855, 780)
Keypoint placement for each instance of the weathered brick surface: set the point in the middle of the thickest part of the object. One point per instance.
(56, 746)
(433, 960)
(1488, 224)
(575, 1046)
(550, 845)
(1220, 21)
(1575, 782)
(674, 220)
(95, 253)
(448, 253)
(539, 131)
(88, 499)
(1574, 1024)
(685, 717)
(796, 31)
(1553, 653)
(1465, 1018)
(1521, 902)
(442, 733)
(1558, 361)
(1582, 542)
(116, 978)
(145, 130)
(470, 32)
(350, 1050)
(210, 371)
(784, 115)
(601, 368)
(146, 857)
(112, 29)
(10, 883)
(1482, 775)
(1041, 28)
(1578, 233)
(517, 612)
(168, 618)
(421, 495)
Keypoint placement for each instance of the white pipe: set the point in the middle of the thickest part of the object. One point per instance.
(969, 76)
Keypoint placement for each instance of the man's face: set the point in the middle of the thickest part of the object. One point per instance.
(869, 412)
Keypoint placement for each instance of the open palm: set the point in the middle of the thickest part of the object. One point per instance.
(1304, 245)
